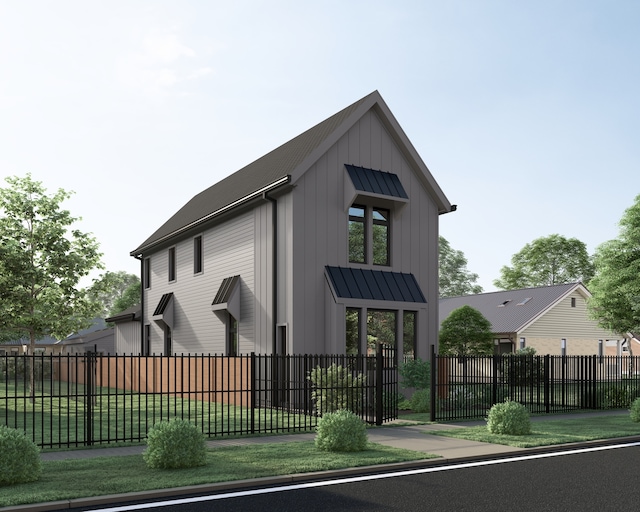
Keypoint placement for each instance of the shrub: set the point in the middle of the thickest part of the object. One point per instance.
(420, 401)
(415, 373)
(175, 444)
(341, 431)
(510, 418)
(523, 367)
(634, 411)
(19, 457)
(336, 388)
(616, 396)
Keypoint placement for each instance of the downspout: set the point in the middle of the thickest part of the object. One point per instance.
(141, 305)
(274, 269)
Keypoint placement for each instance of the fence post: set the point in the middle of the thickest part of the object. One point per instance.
(379, 387)
(88, 398)
(547, 387)
(434, 366)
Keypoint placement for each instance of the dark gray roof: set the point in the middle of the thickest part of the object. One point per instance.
(128, 315)
(357, 283)
(376, 182)
(509, 311)
(267, 170)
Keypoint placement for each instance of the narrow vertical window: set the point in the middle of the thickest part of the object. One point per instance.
(168, 341)
(172, 264)
(146, 347)
(381, 236)
(232, 336)
(352, 332)
(197, 255)
(409, 337)
(573, 302)
(357, 234)
(147, 273)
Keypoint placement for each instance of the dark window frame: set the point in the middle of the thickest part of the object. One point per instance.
(369, 220)
(171, 260)
(362, 220)
(147, 273)
(197, 254)
(233, 337)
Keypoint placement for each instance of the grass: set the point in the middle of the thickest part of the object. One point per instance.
(69, 479)
(551, 432)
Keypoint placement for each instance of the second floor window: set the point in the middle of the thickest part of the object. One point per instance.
(369, 235)
(197, 255)
(172, 264)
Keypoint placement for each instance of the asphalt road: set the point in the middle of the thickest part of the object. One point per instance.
(597, 480)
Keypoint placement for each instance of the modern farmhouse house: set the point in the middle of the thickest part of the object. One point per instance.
(551, 319)
(327, 244)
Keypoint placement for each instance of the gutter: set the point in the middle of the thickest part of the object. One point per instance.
(274, 269)
(261, 192)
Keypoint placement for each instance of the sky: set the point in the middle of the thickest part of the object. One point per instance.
(526, 113)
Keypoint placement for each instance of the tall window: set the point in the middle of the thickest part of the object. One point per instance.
(380, 236)
(168, 341)
(197, 255)
(357, 235)
(353, 331)
(381, 328)
(172, 264)
(409, 337)
(232, 336)
(146, 275)
(146, 343)
(369, 235)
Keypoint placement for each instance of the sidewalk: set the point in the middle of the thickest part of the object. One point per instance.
(412, 437)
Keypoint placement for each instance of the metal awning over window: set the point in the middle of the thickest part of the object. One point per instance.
(357, 283)
(228, 297)
(163, 313)
(362, 184)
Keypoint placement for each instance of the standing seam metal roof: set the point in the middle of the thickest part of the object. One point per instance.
(358, 283)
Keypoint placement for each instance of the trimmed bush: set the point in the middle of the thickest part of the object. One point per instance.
(19, 457)
(509, 418)
(634, 411)
(175, 444)
(341, 431)
(420, 401)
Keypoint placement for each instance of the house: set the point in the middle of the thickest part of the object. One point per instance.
(327, 244)
(127, 331)
(98, 337)
(551, 319)
(47, 345)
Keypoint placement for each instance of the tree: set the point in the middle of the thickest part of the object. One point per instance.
(466, 332)
(130, 297)
(110, 288)
(615, 287)
(42, 260)
(547, 261)
(453, 277)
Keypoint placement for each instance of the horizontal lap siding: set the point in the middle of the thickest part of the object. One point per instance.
(228, 249)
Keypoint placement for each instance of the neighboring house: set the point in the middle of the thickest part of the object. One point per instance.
(127, 331)
(46, 345)
(96, 338)
(324, 245)
(540, 318)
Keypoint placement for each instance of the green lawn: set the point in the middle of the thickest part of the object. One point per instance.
(550, 432)
(68, 479)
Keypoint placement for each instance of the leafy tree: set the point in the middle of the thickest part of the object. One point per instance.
(466, 332)
(130, 297)
(547, 261)
(42, 260)
(110, 288)
(453, 277)
(615, 288)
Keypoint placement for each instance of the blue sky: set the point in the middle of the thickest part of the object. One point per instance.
(526, 113)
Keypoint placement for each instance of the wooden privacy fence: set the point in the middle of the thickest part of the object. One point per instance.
(465, 387)
(87, 399)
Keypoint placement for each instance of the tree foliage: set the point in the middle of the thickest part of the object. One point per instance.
(453, 277)
(42, 259)
(115, 289)
(615, 288)
(466, 332)
(547, 261)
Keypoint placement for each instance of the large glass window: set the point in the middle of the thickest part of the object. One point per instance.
(380, 236)
(409, 337)
(353, 331)
(357, 234)
(381, 328)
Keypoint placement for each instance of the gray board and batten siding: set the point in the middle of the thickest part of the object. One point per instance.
(300, 195)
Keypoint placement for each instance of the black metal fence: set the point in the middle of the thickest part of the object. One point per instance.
(79, 400)
(467, 387)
